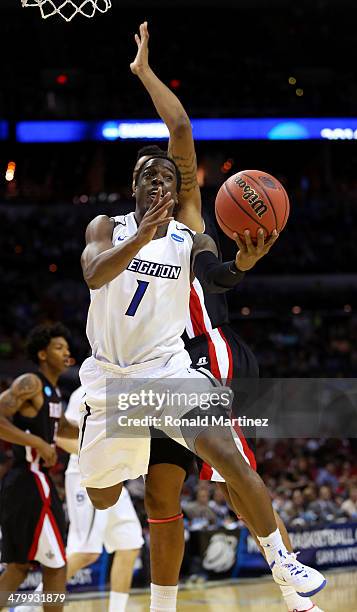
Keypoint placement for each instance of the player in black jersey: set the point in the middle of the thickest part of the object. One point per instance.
(169, 461)
(31, 515)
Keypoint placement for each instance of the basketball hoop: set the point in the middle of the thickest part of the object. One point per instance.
(67, 9)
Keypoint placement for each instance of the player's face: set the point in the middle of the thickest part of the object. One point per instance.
(156, 173)
(57, 354)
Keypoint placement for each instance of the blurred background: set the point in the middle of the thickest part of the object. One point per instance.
(229, 60)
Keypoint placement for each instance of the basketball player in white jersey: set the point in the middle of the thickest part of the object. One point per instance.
(117, 528)
(139, 269)
(168, 457)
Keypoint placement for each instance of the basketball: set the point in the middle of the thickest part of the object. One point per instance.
(249, 200)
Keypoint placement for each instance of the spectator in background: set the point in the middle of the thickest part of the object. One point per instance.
(327, 476)
(294, 509)
(225, 516)
(324, 507)
(199, 512)
(349, 506)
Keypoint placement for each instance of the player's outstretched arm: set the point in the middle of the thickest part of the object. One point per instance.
(24, 389)
(217, 277)
(101, 261)
(181, 145)
(214, 276)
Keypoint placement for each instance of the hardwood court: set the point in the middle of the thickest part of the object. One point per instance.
(248, 595)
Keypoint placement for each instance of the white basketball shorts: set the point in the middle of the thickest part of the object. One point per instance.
(117, 528)
(114, 436)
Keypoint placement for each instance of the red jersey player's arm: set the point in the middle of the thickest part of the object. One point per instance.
(70, 445)
(214, 276)
(181, 145)
(218, 277)
(25, 388)
(67, 430)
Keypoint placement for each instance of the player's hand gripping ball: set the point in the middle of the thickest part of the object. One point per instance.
(250, 200)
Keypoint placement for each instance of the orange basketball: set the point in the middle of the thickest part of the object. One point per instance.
(250, 200)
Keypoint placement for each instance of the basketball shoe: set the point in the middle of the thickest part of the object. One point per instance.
(312, 609)
(287, 571)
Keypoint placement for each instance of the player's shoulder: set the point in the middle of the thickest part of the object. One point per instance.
(124, 226)
(99, 227)
(181, 231)
(27, 383)
(204, 242)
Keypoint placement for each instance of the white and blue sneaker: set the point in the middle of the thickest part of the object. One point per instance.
(312, 609)
(287, 571)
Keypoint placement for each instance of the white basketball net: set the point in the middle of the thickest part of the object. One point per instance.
(68, 9)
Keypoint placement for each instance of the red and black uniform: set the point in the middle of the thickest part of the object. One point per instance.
(31, 514)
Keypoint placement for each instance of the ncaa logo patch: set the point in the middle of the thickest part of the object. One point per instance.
(177, 238)
(48, 391)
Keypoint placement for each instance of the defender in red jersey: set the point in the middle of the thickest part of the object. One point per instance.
(169, 461)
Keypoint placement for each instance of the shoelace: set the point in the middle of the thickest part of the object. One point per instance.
(294, 568)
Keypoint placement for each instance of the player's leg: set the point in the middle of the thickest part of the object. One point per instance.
(105, 498)
(54, 581)
(121, 576)
(167, 542)
(292, 599)
(123, 536)
(250, 497)
(168, 467)
(162, 503)
(11, 578)
(86, 526)
(215, 444)
(77, 561)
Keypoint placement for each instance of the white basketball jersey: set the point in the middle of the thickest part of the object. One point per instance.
(141, 314)
(72, 415)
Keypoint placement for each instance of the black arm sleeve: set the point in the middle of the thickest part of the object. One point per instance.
(214, 276)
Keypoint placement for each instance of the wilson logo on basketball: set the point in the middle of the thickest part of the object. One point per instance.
(252, 197)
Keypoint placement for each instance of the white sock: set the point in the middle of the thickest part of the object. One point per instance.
(294, 601)
(118, 601)
(273, 544)
(163, 598)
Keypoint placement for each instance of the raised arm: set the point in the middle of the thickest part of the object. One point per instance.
(181, 145)
(25, 390)
(218, 277)
(101, 261)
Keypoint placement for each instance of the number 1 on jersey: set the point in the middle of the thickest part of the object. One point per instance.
(137, 297)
